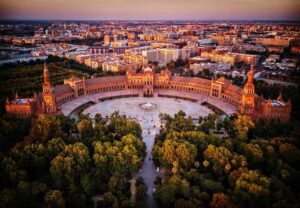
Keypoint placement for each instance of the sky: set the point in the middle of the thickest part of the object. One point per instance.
(150, 9)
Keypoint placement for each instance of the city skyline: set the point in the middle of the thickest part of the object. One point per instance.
(149, 10)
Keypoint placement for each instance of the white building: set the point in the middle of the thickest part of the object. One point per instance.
(166, 55)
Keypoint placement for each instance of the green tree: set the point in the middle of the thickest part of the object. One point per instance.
(220, 200)
(178, 154)
(70, 165)
(289, 153)
(41, 128)
(108, 200)
(166, 195)
(254, 153)
(120, 157)
(85, 127)
(253, 182)
(141, 189)
(54, 147)
(182, 203)
(12, 130)
(54, 199)
(242, 125)
(220, 158)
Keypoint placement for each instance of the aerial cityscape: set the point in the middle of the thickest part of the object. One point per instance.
(150, 104)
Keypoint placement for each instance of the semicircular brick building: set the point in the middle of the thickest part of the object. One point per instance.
(148, 84)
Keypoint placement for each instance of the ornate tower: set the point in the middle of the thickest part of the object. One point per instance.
(248, 96)
(49, 102)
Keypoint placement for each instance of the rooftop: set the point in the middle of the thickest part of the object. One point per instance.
(21, 101)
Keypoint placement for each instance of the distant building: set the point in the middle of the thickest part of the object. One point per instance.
(295, 50)
(166, 55)
(98, 49)
(232, 58)
(107, 39)
(273, 42)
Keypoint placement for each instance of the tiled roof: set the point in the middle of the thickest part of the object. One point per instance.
(191, 80)
(21, 101)
(234, 89)
(112, 79)
(223, 80)
(73, 79)
(62, 89)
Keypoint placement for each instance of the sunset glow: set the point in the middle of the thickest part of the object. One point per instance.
(150, 10)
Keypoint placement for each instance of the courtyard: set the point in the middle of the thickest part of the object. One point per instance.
(131, 107)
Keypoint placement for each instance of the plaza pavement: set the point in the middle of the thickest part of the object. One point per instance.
(68, 107)
(131, 108)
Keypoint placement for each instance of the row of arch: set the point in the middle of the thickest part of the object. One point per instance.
(65, 98)
(206, 90)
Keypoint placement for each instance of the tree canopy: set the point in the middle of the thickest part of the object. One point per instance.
(59, 162)
(248, 167)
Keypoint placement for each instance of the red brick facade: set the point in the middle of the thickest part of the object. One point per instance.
(148, 82)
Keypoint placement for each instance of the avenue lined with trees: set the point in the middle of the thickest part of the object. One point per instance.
(55, 161)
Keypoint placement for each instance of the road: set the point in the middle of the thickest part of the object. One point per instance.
(148, 171)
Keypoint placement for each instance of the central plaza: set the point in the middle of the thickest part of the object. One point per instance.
(131, 107)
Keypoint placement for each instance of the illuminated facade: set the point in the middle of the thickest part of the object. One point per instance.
(49, 102)
(149, 84)
(232, 58)
(257, 107)
(22, 106)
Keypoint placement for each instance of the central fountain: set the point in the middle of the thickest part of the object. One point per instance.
(148, 106)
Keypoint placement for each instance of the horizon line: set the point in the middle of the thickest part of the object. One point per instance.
(151, 20)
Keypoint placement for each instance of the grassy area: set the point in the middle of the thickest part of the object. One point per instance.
(77, 112)
(27, 79)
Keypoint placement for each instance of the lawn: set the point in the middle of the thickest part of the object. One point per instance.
(27, 79)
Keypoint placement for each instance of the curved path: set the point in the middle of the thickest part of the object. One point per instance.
(68, 107)
(150, 123)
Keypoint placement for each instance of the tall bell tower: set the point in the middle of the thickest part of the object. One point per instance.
(49, 102)
(248, 96)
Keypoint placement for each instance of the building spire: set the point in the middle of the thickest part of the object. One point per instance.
(16, 95)
(269, 101)
(45, 67)
(46, 73)
(289, 102)
(280, 97)
(251, 75)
